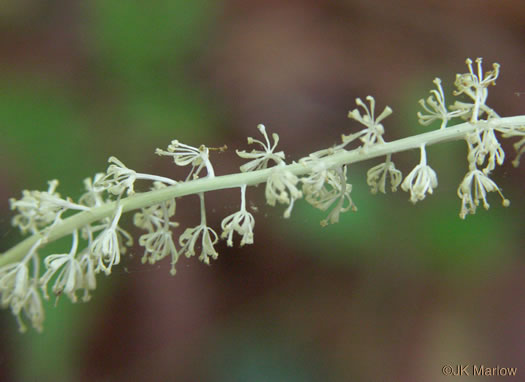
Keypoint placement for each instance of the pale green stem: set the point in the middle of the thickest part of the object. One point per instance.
(69, 225)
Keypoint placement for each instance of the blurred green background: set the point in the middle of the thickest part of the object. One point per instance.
(392, 292)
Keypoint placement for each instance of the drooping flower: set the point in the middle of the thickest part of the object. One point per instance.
(106, 246)
(190, 237)
(156, 215)
(281, 186)
(473, 189)
(421, 180)
(333, 189)
(157, 245)
(241, 222)
(208, 237)
(70, 275)
(484, 146)
(18, 289)
(14, 282)
(376, 176)
(30, 305)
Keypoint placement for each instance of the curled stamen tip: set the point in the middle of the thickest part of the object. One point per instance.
(354, 114)
(505, 202)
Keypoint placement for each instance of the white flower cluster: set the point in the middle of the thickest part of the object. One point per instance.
(38, 209)
(158, 242)
(484, 148)
(475, 86)
(39, 212)
(98, 243)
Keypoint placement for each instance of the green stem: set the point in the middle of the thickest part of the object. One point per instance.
(80, 219)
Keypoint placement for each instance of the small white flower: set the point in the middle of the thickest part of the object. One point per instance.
(421, 180)
(72, 273)
(15, 279)
(93, 195)
(14, 282)
(376, 176)
(281, 186)
(334, 189)
(241, 222)
(152, 217)
(483, 144)
(473, 189)
(31, 306)
(374, 129)
(318, 174)
(184, 155)
(158, 242)
(37, 209)
(261, 158)
(18, 289)
(475, 87)
(189, 239)
(436, 109)
(106, 246)
(157, 245)
(118, 179)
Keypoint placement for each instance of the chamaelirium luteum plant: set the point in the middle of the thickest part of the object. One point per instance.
(98, 242)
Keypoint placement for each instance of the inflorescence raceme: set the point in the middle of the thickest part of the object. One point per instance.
(98, 241)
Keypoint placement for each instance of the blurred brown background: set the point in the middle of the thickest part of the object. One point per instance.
(392, 293)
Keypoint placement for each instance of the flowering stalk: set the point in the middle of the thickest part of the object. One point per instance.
(320, 178)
